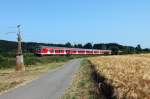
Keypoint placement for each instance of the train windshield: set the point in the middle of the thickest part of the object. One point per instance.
(37, 49)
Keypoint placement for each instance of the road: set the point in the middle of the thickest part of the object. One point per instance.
(50, 86)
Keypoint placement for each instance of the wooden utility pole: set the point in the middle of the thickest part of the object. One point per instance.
(19, 57)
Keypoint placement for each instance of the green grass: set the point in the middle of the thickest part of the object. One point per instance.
(8, 61)
(31, 59)
(82, 86)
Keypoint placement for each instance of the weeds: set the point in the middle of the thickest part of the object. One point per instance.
(82, 86)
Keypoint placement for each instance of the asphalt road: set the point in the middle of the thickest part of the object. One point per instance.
(50, 86)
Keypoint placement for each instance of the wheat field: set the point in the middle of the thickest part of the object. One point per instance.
(128, 74)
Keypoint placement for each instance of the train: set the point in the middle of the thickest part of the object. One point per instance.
(50, 50)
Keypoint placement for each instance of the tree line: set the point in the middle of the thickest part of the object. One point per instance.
(11, 46)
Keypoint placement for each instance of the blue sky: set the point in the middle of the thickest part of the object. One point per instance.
(78, 21)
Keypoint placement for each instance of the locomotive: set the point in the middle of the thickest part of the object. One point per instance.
(50, 50)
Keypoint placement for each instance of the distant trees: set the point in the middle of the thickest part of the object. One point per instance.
(146, 50)
(88, 46)
(104, 47)
(138, 48)
(68, 44)
(115, 49)
(9, 47)
(78, 46)
(100, 46)
(129, 50)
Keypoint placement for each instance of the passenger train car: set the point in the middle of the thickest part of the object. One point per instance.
(49, 50)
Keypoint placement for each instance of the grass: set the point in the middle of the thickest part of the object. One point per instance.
(8, 85)
(128, 74)
(82, 85)
(9, 78)
(31, 59)
(35, 66)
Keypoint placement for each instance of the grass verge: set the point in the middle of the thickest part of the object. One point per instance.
(10, 79)
(10, 62)
(82, 86)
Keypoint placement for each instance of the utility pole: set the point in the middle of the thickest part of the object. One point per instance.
(19, 56)
(92, 47)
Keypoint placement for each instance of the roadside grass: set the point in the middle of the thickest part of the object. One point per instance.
(82, 86)
(35, 66)
(128, 74)
(10, 79)
(31, 59)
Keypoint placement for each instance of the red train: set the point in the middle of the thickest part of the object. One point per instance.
(49, 50)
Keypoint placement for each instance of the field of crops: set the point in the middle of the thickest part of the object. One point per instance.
(128, 74)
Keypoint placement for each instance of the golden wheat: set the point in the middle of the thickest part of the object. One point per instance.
(130, 74)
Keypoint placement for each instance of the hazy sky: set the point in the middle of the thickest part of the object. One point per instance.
(58, 21)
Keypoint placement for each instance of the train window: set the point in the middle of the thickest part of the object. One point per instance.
(56, 51)
(61, 51)
(51, 50)
(37, 49)
(67, 50)
(81, 51)
(74, 51)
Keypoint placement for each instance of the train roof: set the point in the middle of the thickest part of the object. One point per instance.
(41, 46)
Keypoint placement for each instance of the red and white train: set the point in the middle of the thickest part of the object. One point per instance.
(49, 50)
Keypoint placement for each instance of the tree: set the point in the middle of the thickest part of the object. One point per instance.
(97, 46)
(79, 46)
(104, 47)
(68, 44)
(75, 46)
(146, 50)
(88, 46)
(115, 49)
(138, 48)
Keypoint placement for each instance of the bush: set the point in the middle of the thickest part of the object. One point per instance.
(7, 62)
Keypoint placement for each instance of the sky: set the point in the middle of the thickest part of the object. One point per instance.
(125, 22)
